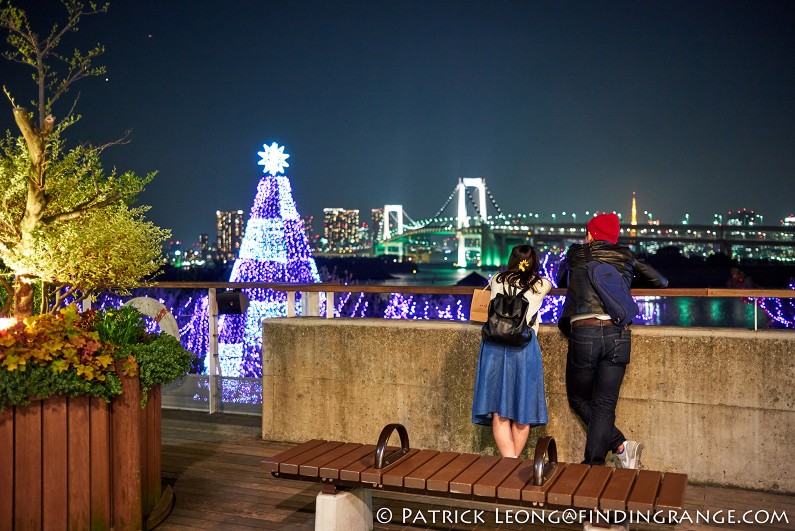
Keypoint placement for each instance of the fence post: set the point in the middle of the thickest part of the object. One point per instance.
(329, 305)
(212, 307)
(291, 303)
(756, 312)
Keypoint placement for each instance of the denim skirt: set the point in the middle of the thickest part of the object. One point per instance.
(510, 381)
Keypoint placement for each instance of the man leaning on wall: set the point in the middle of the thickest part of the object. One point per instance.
(599, 350)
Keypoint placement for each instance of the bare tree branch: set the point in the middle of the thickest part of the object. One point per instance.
(75, 12)
(74, 106)
(60, 297)
(8, 95)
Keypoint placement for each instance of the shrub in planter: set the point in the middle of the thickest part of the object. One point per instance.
(84, 355)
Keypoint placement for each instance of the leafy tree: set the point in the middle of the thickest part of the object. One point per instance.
(64, 220)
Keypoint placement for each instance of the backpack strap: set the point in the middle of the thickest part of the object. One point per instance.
(513, 291)
(513, 294)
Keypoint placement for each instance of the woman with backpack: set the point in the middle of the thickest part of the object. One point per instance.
(509, 382)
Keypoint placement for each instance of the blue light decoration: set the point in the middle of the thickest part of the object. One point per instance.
(274, 249)
(420, 307)
(780, 311)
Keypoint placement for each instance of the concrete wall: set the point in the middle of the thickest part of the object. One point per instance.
(716, 404)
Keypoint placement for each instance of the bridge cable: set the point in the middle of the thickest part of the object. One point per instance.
(410, 221)
(438, 212)
(493, 202)
(475, 206)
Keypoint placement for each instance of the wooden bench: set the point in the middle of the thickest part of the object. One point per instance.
(542, 482)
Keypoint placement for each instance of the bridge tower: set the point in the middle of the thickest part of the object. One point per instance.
(463, 219)
(395, 248)
(463, 184)
(397, 210)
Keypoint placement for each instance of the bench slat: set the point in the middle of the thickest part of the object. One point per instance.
(487, 485)
(614, 498)
(332, 470)
(312, 467)
(417, 478)
(373, 475)
(271, 464)
(511, 488)
(290, 466)
(564, 488)
(645, 491)
(463, 482)
(441, 480)
(538, 495)
(672, 493)
(395, 477)
(587, 496)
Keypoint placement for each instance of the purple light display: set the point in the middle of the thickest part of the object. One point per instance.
(781, 311)
(274, 249)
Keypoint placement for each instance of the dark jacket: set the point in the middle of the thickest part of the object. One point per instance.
(573, 274)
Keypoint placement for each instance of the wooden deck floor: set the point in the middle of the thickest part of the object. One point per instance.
(213, 464)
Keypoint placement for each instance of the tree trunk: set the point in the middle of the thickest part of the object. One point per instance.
(23, 296)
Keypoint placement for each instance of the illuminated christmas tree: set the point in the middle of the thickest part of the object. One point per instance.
(274, 249)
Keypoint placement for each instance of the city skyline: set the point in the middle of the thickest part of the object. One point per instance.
(560, 107)
(644, 217)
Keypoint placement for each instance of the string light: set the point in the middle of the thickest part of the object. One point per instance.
(778, 310)
(274, 249)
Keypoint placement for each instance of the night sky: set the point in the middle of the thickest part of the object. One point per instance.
(560, 106)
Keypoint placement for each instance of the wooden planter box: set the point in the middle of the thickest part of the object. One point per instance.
(80, 463)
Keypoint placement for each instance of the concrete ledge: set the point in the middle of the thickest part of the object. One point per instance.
(716, 404)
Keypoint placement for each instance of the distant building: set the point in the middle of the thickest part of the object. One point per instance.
(341, 230)
(309, 229)
(173, 252)
(377, 224)
(365, 240)
(204, 242)
(231, 227)
(744, 218)
(789, 221)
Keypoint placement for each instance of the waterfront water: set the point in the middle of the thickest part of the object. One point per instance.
(665, 311)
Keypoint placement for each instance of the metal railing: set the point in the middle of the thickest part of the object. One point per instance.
(312, 293)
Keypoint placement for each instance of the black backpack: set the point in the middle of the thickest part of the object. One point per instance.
(507, 323)
(612, 290)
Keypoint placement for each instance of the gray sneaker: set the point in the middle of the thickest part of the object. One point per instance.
(630, 457)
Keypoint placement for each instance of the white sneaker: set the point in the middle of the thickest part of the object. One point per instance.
(630, 457)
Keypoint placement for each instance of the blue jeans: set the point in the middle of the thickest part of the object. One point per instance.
(596, 361)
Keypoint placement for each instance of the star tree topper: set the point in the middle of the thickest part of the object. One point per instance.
(273, 158)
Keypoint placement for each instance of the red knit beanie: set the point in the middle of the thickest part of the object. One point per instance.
(604, 227)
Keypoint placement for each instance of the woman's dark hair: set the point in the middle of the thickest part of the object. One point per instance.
(519, 274)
